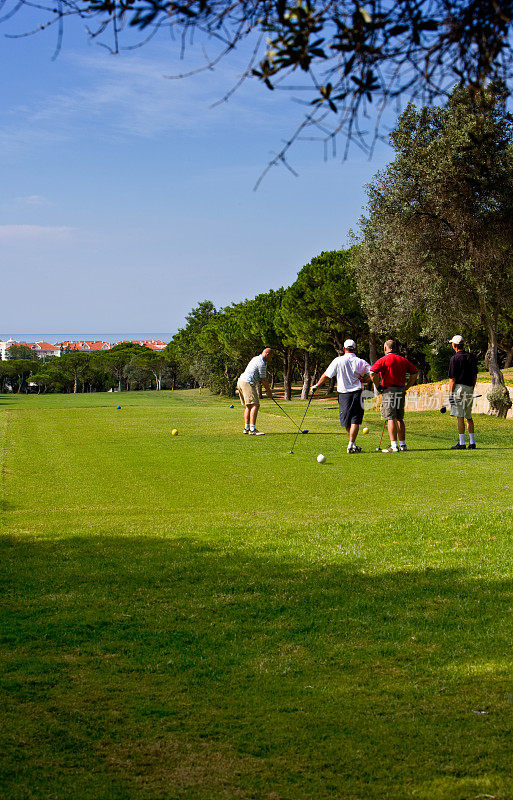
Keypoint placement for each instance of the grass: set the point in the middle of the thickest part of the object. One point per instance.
(484, 377)
(208, 617)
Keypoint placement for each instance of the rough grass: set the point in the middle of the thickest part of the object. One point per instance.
(484, 377)
(208, 616)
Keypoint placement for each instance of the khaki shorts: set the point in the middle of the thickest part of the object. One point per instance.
(461, 401)
(248, 393)
(392, 403)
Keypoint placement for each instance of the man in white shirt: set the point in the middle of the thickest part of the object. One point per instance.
(247, 386)
(350, 371)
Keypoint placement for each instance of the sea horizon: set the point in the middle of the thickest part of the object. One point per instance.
(53, 338)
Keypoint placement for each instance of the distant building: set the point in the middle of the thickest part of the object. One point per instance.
(4, 346)
(152, 344)
(46, 349)
(84, 346)
(41, 348)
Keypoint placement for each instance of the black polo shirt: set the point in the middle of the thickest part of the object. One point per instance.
(463, 368)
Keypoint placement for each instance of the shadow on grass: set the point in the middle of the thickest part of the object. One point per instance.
(170, 668)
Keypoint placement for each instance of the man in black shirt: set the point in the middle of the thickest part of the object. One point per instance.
(462, 380)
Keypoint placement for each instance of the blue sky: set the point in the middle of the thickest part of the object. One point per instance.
(127, 198)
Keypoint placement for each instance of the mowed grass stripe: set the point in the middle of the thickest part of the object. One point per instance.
(104, 454)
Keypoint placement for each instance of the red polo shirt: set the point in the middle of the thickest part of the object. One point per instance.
(393, 369)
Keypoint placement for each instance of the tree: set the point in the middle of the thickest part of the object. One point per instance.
(76, 363)
(51, 376)
(21, 351)
(193, 361)
(349, 55)
(116, 359)
(438, 234)
(321, 309)
(259, 324)
(143, 368)
(20, 370)
(220, 339)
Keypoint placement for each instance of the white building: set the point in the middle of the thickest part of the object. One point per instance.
(41, 348)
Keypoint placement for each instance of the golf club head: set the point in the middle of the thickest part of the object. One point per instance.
(443, 410)
(305, 431)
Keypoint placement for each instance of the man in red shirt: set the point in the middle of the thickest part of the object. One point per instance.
(391, 370)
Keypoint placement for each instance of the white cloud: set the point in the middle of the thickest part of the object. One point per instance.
(32, 201)
(31, 233)
(129, 95)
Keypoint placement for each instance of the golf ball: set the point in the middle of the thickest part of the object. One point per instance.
(321, 459)
(365, 430)
(174, 432)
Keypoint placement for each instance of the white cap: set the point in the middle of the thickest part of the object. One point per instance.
(349, 344)
(456, 339)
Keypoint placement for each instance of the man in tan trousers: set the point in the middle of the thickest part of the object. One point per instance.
(247, 386)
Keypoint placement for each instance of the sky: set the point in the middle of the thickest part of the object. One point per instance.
(127, 197)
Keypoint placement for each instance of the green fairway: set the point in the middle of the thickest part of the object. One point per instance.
(208, 617)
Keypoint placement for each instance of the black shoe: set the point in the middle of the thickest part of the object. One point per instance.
(459, 446)
(472, 446)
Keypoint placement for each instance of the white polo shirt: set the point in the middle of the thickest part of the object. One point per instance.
(348, 369)
(255, 371)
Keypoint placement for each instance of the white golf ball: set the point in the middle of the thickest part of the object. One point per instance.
(321, 459)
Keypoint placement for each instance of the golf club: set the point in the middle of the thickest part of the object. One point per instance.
(378, 448)
(288, 415)
(304, 415)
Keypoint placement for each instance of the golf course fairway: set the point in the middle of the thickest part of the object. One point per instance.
(206, 616)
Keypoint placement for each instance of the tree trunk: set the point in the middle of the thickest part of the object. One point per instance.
(75, 381)
(307, 377)
(287, 373)
(500, 406)
(373, 355)
(331, 385)
(373, 348)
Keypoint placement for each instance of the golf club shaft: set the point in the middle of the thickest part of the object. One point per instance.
(382, 432)
(301, 426)
(287, 415)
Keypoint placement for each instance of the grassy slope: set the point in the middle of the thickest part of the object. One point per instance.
(484, 377)
(207, 616)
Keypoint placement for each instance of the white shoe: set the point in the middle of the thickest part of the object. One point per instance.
(390, 450)
(256, 433)
(245, 431)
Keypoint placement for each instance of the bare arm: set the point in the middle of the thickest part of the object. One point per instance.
(375, 378)
(319, 382)
(268, 390)
(411, 380)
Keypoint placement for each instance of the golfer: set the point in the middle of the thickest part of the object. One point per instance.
(390, 371)
(351, 372)
(462, 380)
(248, 385)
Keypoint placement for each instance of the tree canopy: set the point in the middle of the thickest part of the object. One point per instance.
(438, 233)
(346, 61)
